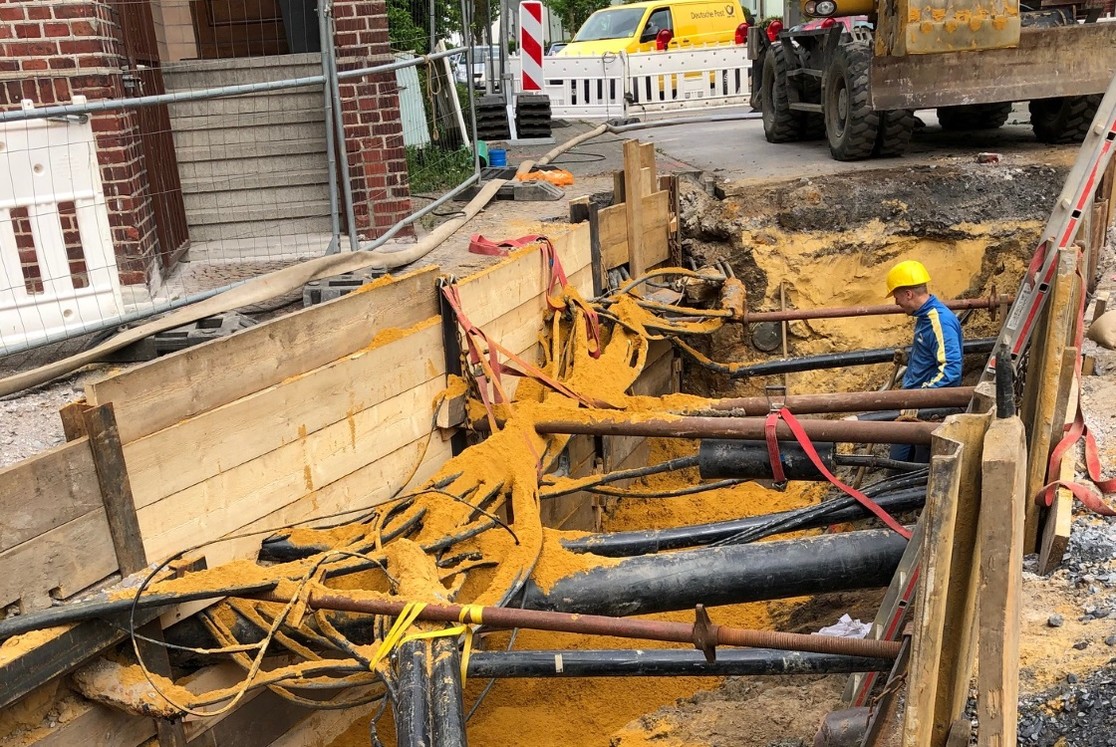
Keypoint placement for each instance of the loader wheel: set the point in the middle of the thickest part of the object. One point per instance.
(1063, 120)
(780, 123)
(895, 131)
(850, 124)
(974, 116)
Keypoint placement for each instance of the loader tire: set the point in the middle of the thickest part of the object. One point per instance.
(894, 134)
(780, 123)
(1063, 120)
(850, 124)
(974, 116)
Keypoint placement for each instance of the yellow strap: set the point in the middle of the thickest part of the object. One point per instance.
(470, 614)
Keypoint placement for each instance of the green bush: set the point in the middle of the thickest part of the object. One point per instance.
(435, 169)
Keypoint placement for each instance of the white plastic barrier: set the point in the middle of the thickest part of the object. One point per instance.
(618, 85)
(42, 164)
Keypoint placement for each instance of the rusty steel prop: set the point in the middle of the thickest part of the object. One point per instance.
(703, 634)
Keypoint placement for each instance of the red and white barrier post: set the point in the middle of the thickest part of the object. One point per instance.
(531, 45)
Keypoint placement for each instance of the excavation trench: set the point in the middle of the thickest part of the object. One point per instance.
(795, 244)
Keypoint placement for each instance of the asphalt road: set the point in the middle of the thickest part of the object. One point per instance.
(735, 151)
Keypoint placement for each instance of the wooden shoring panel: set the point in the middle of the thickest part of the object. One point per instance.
(945, 603)
(1049, 391)
(633, 192)
(658, 377)
(1059, 517)
(1003, 486)
(219, 440)
(233, 499)
(46, 491)
(614, 236)
(58, 563)
(158, 394)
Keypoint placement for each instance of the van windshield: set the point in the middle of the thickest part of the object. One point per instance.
(611, 23)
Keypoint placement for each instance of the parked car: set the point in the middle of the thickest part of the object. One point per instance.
(486, 61)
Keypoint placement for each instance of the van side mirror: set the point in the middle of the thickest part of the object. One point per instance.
(663, 39)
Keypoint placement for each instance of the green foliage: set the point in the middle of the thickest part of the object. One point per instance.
(435, 169)
(409, 23)
(574, 12)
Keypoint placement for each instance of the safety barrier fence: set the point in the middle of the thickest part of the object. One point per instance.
(619, 85)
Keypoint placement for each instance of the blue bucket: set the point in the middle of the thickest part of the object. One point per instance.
(497, 157)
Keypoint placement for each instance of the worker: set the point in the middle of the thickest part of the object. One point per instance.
(935, 356)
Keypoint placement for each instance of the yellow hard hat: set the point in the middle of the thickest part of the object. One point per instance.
(906, 274)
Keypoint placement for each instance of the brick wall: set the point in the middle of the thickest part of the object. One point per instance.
(51, 50)
(370, 112)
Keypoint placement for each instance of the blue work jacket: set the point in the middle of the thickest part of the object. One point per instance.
(935, 358)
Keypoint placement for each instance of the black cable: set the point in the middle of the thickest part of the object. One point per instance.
(654, 469)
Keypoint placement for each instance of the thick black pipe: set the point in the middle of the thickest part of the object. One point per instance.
(730, 662)
(627, 544)
(722, 457)
(726, 575)
(412, 706)
(445, 694)
(838, 360)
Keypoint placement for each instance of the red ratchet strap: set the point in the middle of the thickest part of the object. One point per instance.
(477, 340)
(785, 415)
(769, 427)
(1073, 432)
(491, 368)
(478, 244)
(557, 279)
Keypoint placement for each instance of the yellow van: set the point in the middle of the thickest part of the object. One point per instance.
(635, 27)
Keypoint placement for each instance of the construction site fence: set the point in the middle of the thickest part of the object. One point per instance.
(617, 85)
(213, 172)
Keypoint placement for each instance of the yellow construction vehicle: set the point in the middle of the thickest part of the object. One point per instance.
(853, 71)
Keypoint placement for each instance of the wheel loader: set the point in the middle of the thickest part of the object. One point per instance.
(854, 71)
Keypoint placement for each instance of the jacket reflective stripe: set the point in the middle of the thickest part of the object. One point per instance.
(939, 338)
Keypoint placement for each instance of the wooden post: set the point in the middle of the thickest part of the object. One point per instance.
(634, 215)
(116, 493)
(73, 421)
(1047, 355)
(1059, 517)
(596, 255)
(1003, 493)
(945, 611)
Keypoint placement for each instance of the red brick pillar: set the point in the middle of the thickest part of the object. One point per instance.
(370, 112)
(51, 50)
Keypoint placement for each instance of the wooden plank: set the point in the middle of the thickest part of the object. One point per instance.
(520, 278)
(614, 236)
(959, 630)
(116, 490)
(155, 395)
(57, 563)
(233, 499)
(1049, 351)
(1074, 60)
(73, 424)
(194, 450)
(647, 161)
(322, 727)
(46, 491)
(102, 726)
(579, 209)
(1059, 517)
(56, 651)
(656, 378)
(1098, 232)
(1003, 486)
(633, 215)
(656, 236)
(930, 612)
